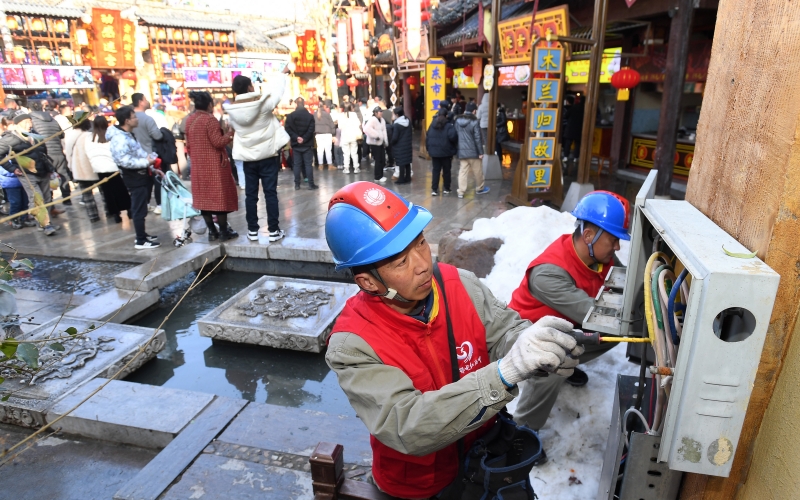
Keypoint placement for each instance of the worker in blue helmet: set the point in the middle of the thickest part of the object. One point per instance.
(563, 282)
(424, 352)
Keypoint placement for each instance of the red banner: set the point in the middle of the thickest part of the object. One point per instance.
(308, 55)
(653, 67)
(114, 40)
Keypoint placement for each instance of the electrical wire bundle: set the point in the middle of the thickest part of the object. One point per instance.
(665, 297)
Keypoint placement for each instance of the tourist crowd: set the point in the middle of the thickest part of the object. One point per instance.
(245, 141)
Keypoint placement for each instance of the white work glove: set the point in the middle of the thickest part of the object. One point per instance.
(542, 346)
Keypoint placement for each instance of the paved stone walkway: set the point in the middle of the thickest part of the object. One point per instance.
(302, 215)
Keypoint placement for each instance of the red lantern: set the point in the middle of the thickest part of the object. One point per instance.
(412, 80)
(448, 73)
(624, 80)
(339, 82)
(352, 83)
(129, 75)
(468, 71)
(96, 75)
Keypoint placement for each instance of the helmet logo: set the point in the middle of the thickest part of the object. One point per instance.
(374, 196)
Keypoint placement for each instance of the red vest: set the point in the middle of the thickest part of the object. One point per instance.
(423, 353)
(562, 254)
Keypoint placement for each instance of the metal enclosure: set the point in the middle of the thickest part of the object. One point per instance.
(725, 325)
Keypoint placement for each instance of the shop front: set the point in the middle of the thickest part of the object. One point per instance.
(49, 57)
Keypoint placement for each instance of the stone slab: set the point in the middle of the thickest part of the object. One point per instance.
(229, 321)
(296, 431)
(301, 249)
(575, 192)
(252, 250)
(105, 306)
(100, 353)
(156, 476)
(168, 268)
(219, 478)
(130, 413)
(492, 170)
(62, 467)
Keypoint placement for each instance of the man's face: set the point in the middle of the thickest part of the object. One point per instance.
(25, 125)
(604, 247)
(45, 106)
(409, 272)
(144, 104)
(133, 121)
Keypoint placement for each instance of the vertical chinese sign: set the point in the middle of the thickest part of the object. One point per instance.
(543, 117)
(308, 53)
(113, 40)
(435, 88)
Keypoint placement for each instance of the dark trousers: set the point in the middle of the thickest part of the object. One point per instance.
(567, 146)
(405, 174)
(17, 200)
(303, 161)
(378, 154)
(88, 201)
(441, 165)
(266, 172)
(139, 185)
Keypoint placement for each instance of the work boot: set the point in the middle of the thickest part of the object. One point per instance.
(579, 378)
(55, 212)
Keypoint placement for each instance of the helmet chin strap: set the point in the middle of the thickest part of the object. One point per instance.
(591, 245)
(390, 293)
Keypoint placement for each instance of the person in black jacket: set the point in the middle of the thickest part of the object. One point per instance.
(442, 144)
(573, 131)
(300, 127)
(401, 145)
(44, 124)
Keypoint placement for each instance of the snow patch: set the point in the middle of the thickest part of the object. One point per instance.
(233, 464)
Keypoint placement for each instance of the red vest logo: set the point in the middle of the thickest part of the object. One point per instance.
(464, 353)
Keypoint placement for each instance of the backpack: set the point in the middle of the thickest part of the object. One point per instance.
(166, 148)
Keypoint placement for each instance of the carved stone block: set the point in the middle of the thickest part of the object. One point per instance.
(278, 312)
(98, 353)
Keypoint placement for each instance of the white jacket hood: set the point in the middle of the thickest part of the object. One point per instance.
(402, 121)
(259, 134)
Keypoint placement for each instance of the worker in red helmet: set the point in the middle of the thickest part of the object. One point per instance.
(563, 282)
(426, 354)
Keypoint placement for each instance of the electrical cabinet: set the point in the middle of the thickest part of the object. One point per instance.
(724, 326)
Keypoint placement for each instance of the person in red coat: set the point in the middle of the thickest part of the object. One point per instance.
(213, 188)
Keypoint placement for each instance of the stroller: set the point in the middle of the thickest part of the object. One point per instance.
(176, 204)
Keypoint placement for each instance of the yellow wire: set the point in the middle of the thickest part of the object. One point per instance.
(648, 297)
(636, 340)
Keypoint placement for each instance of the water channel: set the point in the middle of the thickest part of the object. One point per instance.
(192, 362)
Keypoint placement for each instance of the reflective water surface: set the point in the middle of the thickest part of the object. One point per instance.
(84, 277)
(255, 373)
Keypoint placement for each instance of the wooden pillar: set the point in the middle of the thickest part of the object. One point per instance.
(408, 97)
(677, 52)
(746, 178)
(592, 89)
(492, 132)
(622, 123)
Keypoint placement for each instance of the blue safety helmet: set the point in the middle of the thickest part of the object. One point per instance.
(606, 210)
(367, 223)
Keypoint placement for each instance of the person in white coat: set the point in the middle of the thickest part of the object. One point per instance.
(350, 127)
(98, 150)
(375, 130)
(258, 142)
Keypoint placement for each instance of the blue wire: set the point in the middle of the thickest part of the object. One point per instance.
(673, 294)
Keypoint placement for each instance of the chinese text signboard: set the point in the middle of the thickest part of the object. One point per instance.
(308, 53)
(578, 71)
(516, 36)
(113, 40)
(435, 88)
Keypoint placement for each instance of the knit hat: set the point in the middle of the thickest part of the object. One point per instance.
(19, 117)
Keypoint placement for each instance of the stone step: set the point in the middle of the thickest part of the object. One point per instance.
(296, 431)
(290, 248)
(104, 306)
(125, 412)
(168, 268)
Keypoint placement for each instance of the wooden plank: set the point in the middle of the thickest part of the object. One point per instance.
(680, 32)
(746, 178)
(157, 476)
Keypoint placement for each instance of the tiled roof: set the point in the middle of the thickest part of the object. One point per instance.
(40, 8)
(188, 22)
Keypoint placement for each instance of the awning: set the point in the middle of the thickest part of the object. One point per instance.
(469, 30)
(38, 8)
(188, 23)
(250, 40)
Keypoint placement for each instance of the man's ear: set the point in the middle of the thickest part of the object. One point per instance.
(366, 281)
